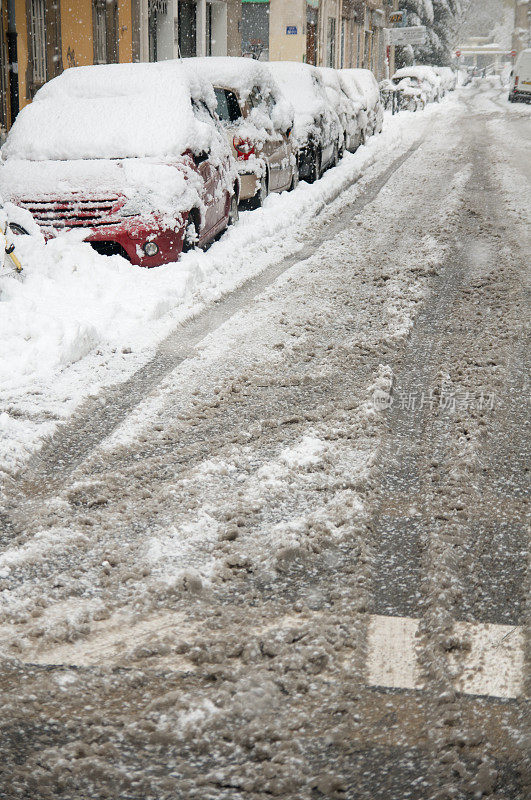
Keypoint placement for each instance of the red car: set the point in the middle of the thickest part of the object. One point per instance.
(130, 155)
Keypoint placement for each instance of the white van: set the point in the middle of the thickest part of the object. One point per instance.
(520, 91)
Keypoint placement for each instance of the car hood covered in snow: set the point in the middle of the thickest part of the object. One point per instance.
(165, 187)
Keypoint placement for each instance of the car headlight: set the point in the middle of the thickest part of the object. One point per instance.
(151, 249)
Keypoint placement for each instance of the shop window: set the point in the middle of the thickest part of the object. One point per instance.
(37, 24)
(44, 43)
(187, 22)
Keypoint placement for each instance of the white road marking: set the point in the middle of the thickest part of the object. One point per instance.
(492, 662)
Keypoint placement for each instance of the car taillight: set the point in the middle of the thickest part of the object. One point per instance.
(243, 147)
(515, 81)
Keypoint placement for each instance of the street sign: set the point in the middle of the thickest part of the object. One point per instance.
(458, 53)
(397, 17)
(291, 30)
(413, 35)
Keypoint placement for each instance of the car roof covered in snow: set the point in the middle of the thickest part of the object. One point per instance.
(347, 103)
(302, 85)
(360, 81)
(421, 71)
(114, 111)
(240, 74)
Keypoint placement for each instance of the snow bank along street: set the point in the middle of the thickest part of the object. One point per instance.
(263, 515)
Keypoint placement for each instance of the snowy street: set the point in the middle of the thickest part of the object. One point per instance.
(263, 511)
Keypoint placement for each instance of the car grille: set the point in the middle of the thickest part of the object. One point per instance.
(79, 212)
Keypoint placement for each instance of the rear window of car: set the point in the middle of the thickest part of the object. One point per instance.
(228, 107)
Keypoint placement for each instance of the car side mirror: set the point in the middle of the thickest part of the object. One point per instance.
(199, 158)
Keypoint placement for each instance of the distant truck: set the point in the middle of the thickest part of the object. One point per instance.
(520, 91)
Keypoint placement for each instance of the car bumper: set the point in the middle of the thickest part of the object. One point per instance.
(128, 239)
(249, 185)
(520, 97)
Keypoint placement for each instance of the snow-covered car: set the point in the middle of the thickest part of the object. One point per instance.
(448, 78)
(362, 83)
(258, 121)
(412, 92)
(317, 132)
(430, 82)
(520, 91)
(351, 113)
(130, 155)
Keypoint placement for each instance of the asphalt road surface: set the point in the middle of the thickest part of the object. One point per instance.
(289, 557)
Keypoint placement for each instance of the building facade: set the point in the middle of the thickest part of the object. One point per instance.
(184, 28)
(280, 30)
(330, 33)
(351, 34)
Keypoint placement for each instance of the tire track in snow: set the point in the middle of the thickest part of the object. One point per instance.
(426, 546)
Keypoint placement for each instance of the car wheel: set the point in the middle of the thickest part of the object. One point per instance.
(191, 234)
(234, 214)
(18, 229)
(259, 199)
(317, 164)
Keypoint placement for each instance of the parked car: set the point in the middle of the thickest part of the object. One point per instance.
(258, 121)
(361, 82)
(520, 91)
(351, 113)
(131, 155)
(448, 78)
(412, 92)
(317, 131)
(429, 81)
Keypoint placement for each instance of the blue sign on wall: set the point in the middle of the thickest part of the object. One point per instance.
(291, 30)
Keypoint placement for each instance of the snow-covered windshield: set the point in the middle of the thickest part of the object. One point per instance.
(249, 81)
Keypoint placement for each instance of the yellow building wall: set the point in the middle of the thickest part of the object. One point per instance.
(283, 46)
(125, 31)
(22, 48)
(76, 33)
(76, 36)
